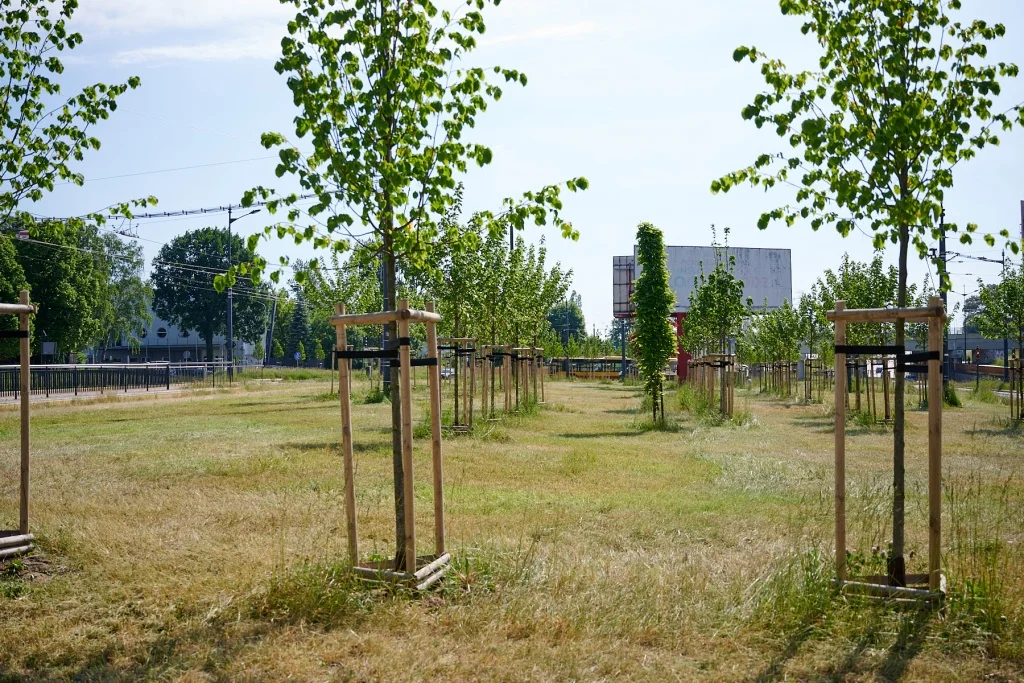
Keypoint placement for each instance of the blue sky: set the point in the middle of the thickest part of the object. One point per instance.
(641, 97)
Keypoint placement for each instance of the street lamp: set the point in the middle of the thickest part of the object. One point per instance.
(231, 296)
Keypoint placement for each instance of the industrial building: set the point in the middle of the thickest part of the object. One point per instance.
(767, 276)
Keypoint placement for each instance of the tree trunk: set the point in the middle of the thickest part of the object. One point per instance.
(722, 400)
(897, 568)
(390, 279)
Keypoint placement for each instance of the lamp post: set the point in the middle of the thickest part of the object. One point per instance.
(231, 296)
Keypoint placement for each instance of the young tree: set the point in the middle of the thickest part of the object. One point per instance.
(901, 96)
(43, 133)
(318, 350)
(184, 296)
(301, 350)
(716, 310)
(1001, 314)
(257, 350)
(653, 338)
(386, 100)
(814, 326)
(278, 350)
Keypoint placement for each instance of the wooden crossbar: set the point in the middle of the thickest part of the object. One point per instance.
(17, 309)
(384, 317)
(885, 315)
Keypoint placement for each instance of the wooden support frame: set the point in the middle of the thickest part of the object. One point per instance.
(19, 541)
(419, 572)
(710, 373)
(464, 389)
(1016, 389)
(926, 587)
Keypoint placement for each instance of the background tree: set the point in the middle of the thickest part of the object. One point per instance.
(654, 339)
(301, 350)
(1001, 314)
(385, 97)
(12, 281)
(972, 308)
(298, 331)
(567, 318)
(902, 94)
(65, 269)
(278, 350)
(862, 285)
(183, 292)
(125, 296)
(257, 350)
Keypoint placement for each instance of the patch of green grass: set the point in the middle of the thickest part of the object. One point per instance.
(320, 594)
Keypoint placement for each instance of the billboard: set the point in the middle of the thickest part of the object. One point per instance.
(767, 274)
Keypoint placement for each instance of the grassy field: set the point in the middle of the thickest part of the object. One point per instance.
(202, 537)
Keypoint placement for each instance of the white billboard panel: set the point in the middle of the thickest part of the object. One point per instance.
(766, 273)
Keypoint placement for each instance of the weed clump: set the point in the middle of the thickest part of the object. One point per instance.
(327, 595)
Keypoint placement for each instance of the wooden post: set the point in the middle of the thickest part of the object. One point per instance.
(405, 409)
(840, 434)
(885, 388)
(507, 367)
(472, 381)
(935, 448)
(544, 371)
(344, 394)
(26, 412)
(434, 380)
(485, 372)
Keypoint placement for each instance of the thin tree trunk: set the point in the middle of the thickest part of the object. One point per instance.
(391, 279)
(897, 568)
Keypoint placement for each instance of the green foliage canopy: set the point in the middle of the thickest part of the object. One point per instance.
(653, 337)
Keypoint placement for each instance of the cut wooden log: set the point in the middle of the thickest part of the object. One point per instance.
(20, 539)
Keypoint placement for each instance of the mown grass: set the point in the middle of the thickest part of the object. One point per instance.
(203, 536)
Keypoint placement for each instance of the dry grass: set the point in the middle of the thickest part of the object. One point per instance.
(201, 537)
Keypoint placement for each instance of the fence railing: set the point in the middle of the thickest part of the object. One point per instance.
(72, 380)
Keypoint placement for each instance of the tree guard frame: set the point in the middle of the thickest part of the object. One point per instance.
(419, 572)
(460, 349)
(1016, 390)
(496, 361)
(19, 541)
(935, 315)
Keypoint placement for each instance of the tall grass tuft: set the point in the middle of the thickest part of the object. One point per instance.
(986, 606)
(796, 592)
(327, 595)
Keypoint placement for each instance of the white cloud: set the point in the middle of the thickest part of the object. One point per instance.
(548, 32)
(255, 47)
(143, 16)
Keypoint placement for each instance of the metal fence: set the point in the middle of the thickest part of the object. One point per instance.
(72, 380)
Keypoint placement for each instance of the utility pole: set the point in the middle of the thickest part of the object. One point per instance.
(231, 296)
(947, 362)
(1006, 339)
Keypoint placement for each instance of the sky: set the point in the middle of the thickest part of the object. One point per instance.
(641, 97)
